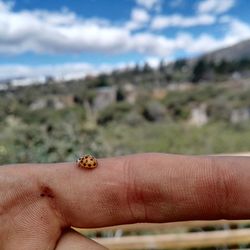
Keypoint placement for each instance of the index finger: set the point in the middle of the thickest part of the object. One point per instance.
(149, 188)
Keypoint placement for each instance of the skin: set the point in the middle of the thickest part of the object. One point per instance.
(39, 202)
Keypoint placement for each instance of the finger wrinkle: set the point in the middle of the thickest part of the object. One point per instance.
(129, 183)
(228, 188)
(143, 194)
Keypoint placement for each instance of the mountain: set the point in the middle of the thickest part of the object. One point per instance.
(236, 52)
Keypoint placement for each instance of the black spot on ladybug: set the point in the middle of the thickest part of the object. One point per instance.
(89, 165)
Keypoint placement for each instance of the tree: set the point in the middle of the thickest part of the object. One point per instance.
(146, 68)
(102, 81)
(179, 64)
(223, 67)
(162, 66)
(136, 69)
(199, 70)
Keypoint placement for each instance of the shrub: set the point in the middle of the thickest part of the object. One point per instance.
(114, 112)
(219, 110)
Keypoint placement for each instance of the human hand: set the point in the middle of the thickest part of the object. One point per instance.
(40, 202)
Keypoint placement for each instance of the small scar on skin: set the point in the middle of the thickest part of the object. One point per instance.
(46, 192)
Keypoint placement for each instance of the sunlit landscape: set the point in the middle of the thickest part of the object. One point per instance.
(125, 77)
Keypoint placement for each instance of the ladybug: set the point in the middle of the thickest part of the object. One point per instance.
(87, 161)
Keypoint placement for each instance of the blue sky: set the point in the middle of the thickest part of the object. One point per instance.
(75, 38)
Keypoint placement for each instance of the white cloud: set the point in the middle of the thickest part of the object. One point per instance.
(16, 71)
(154, 46)
(236, 31)
(57, 32)
(149, 4)
(139, 18)
(59, 71)
(215, 6)
(64, 32)
(140, 15)
(153, 62)
(161, 22)
(50, 32)
(26, 74)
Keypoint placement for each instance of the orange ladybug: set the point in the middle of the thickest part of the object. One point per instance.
(87, 161)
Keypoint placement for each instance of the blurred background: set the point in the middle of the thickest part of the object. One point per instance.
(118, 77)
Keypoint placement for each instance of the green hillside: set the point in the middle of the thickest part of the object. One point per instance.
(189, 107)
